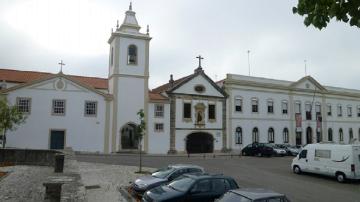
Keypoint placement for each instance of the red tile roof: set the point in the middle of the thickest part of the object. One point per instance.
(157, 96)
(17, 76)
(166, 86)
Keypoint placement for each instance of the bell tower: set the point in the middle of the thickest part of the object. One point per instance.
(128, 77)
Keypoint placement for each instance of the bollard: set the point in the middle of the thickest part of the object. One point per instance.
(59, 163)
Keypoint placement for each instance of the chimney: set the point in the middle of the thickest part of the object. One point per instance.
(171, 81)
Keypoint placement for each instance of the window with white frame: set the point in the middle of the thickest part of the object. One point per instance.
(23, 105)
(159, 110)
(341, 135)
(330, 135)
(349, 111)
(187, 111)
(159, 127)
(286, 135)
(351, 134)
(318, 108)
(270, 105)
(255, 135)
(284, 107)
(254, 105)
(238, 104)
(212, 112)
(90, 108)
(271, 135)
(132, 55)
(58, 107)
(358, 112)
(238, 135)
(329, 112)
(297, 107)
(308, 111)
(339, 110)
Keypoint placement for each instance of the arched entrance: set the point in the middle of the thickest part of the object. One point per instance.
(308, 135)
(128, 137)
(200, 143)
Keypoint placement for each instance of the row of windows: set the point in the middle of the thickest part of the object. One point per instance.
(255, 135)
(187, 112)
(58, 107)
(341, 134)
(284, 107)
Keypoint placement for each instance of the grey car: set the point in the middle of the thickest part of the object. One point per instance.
(162, 176)
(253, 194)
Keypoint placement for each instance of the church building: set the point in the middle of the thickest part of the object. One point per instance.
(192, 114)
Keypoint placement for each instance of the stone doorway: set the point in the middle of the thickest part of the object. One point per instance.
(309, 135)
(128, 138)
(200, 143)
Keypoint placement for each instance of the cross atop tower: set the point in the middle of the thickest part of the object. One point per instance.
(200, 58)
(61, 65)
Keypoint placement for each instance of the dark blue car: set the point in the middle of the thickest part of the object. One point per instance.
(192, 187)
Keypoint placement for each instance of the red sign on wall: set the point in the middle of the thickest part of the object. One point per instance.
(298, 120)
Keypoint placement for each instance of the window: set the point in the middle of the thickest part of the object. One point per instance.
(255, 135)
(270, 104)
(90, 108)
(159, 110)
(341, 135)
(23, 105)
(329, 109)
(286, 135)
(211, 112)
(218, 185)
(318, 108)
(284, 107)
(339, 110)
(358, 111)
(238, 104)
(322, 153)
(271, 135)
(132, 55)
(203, 186)
(187, 111)
(297, 107)
(349, 111)
(359, 135)
(255, 105)
(308, 111)
(58, 107)
(238, 135)
(330, 134)
(351, 134)
(199, 88)
(159, 127)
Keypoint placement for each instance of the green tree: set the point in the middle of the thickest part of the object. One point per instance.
(319, 12)
(10, 117)
(140, 132)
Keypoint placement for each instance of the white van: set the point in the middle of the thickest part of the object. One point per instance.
(340, 161)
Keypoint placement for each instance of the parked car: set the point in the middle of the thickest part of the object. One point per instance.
(340, 161)
(278, 151)
(192, 187)
(162, 176)
(291, 150)
(258, 149)
(252, 194)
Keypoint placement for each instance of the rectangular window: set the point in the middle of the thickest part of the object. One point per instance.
(329, 110)
(284, 107)
(238, 104)
(187, 111)
(308, 111)
(255, 105)
(58, 107)
(159, 110)
(298, 108)
(90, 108)
(211, 112)
(349, 111)
(358, 111)
(339, 110)
(23, 105)
(320, 153)
(159, 127)
(318, 108)
(270, 106)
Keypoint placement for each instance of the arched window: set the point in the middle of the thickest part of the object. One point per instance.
(132, 55)
(286, 135)
(351, 134)
(359, 135)
(238, 135)
(255, 135)
(271, 135)
(341, 135)
(330, 134)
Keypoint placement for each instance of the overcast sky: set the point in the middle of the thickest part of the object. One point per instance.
(37, 34)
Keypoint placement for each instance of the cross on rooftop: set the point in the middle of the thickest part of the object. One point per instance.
(61, 65)
(200, 58)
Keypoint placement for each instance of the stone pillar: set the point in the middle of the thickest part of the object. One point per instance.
(224, 135)
(172, 149)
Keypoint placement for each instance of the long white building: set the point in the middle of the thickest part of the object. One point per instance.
(190, 114)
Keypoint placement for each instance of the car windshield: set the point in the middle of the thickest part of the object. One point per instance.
(182, 184)
(230, 197)
(163, 172)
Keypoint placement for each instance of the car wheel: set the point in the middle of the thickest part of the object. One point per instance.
(340, 177)
(297, 170)
(243, 153)
(259, 154)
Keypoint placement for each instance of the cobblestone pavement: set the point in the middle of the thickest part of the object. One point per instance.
(24, 183)
(102, 181)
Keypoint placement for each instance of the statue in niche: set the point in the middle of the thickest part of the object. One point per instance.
(199, 117)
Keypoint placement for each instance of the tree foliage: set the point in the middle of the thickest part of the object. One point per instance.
(10, 117)
(319, 12)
